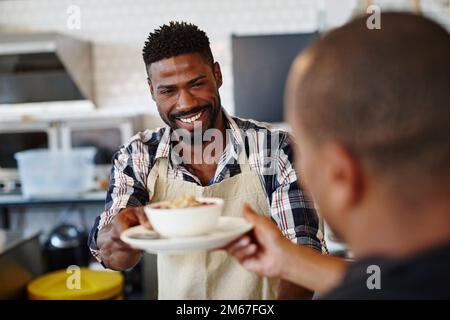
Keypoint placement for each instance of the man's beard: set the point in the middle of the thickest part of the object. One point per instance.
(196, 136)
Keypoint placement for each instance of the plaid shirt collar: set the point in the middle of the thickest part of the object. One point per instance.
(228, 162)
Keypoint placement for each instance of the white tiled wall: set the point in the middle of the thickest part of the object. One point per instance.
(118, 29)
(437, 10)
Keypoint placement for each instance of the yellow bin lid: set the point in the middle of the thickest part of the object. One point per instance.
(81, 284)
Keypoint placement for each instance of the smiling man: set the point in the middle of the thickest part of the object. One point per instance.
(184, 81)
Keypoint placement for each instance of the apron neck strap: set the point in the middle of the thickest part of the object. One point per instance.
(242, 157)
(243, 160)
(163, 167)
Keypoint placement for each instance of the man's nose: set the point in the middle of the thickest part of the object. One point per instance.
(186, 101)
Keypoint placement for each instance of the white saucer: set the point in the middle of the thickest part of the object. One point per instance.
(227, 230)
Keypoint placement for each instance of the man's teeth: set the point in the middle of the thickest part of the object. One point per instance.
(191, 119)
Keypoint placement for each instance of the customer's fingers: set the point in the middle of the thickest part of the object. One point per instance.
(245, 252)
(249, 213)
(259, 222)
(237, 245)
(252, 264)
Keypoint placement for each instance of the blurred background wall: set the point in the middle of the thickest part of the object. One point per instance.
(118, 29)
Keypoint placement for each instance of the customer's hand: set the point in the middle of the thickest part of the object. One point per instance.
(267, 252)
(261, 251)
(115, 253)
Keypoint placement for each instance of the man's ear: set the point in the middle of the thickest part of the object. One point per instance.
(150, 85)
(345, 176)
(218, 74)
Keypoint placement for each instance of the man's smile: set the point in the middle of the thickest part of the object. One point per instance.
(192, 118)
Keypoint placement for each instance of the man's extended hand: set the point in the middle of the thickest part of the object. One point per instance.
(115, 253)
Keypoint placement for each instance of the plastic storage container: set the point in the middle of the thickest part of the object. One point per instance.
(45, 173)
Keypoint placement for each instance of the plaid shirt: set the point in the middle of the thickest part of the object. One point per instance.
(290, 208)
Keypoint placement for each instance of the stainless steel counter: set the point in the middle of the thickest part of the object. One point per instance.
(8, 201)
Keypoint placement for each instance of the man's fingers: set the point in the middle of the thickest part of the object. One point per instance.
(143, 220)
(133, 216)
(131, 249)
(129, 221)
(127, 218)
(128, 248)
(119, 245)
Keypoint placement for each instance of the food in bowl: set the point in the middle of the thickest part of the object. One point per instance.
(185, 216)
(183, 202)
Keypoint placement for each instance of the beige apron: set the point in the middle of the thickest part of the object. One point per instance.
(212, 275)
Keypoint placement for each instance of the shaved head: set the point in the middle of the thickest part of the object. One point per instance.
(384, 94)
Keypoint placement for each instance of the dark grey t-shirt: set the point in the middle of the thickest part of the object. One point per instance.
(423, 276)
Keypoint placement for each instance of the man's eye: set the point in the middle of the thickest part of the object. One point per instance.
(197, 84)
(166, 92)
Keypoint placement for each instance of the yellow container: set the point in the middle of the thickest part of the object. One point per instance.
(81, 284)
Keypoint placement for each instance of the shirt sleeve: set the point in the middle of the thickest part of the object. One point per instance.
(127, 187)
(291, 208)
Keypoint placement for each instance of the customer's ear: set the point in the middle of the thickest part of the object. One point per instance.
(345, 176)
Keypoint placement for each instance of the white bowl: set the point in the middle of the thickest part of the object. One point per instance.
(185, 222)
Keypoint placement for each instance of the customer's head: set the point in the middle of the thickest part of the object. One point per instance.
(182, 75)
(370, 111)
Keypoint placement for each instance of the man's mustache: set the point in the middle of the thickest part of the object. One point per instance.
(195, 110)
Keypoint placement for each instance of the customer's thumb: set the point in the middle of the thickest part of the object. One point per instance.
(249, 214)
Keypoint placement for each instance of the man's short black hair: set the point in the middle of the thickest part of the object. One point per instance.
(175, 39)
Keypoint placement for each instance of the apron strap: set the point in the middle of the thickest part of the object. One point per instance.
(243, 160)
(242, 157)
(163, 167)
